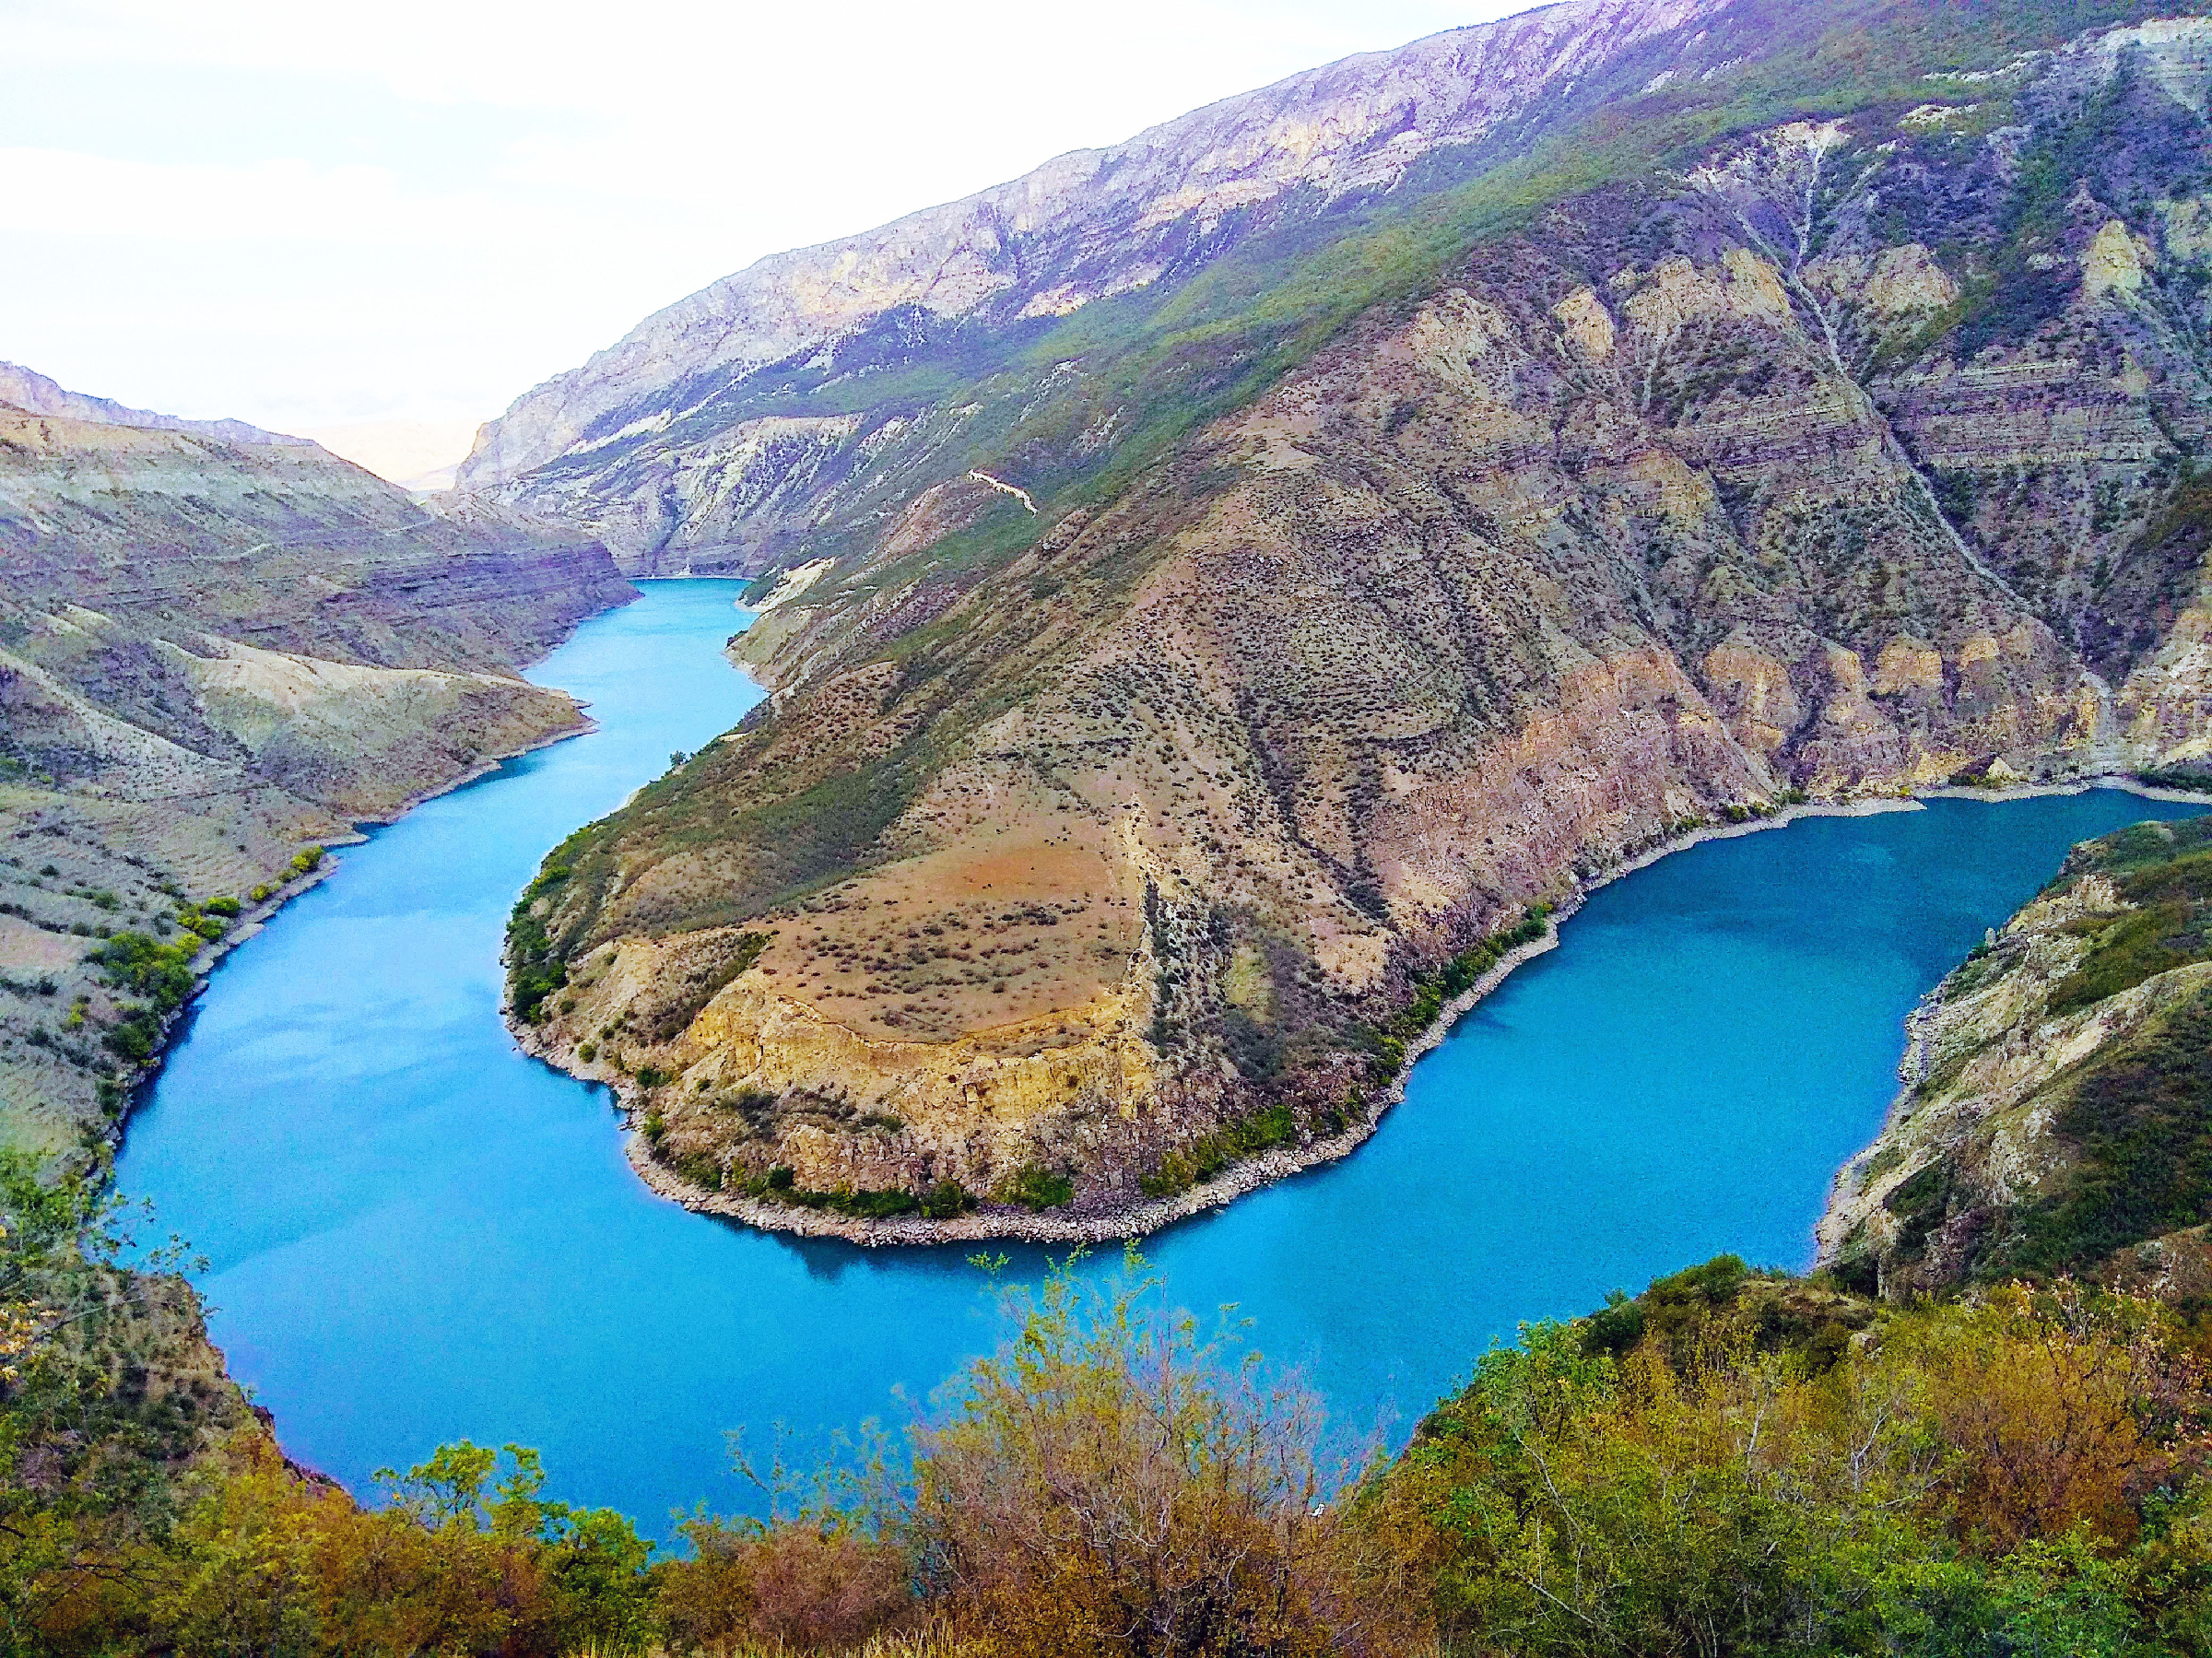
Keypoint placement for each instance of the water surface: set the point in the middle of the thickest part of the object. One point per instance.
(418, 1234)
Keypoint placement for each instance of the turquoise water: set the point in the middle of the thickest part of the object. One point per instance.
(418, 1234)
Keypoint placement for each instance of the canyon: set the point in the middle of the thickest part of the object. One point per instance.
(1081, 851)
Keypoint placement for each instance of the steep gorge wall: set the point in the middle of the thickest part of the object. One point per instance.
(1854, 457)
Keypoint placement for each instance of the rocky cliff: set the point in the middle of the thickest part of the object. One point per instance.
(2057, 1108)
(213, 653)
(1821, 422)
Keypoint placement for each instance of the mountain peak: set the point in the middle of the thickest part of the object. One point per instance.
(34, 393)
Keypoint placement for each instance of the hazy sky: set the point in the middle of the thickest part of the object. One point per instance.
(301, 214)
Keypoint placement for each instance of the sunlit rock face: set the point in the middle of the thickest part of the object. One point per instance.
(1840, 458)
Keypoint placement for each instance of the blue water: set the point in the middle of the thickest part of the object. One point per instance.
(418, 1234)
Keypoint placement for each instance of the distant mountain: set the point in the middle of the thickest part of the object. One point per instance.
(1176, 699)
(704, 436)
(34, 393)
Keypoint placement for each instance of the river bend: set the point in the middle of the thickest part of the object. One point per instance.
(418, 1234)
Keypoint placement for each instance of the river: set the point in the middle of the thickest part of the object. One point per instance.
(418, 1234)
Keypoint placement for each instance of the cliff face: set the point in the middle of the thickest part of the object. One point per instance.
(2057, 1110)
(1093, 838)
(211, 654)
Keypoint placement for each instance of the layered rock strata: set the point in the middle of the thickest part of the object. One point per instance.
(1078, 851)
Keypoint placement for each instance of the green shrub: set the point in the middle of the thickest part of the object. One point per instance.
(1386, 1044)
(1203, 1159)
(699, 1170)
(147, 967)
(216, 906)
(652, 1076)
(945, 1199)
(260, 894)
(135, 1038)
(1036, 1187)
(587, 1051)
(2173, 777)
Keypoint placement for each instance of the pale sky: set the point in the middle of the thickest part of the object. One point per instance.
(306, 215)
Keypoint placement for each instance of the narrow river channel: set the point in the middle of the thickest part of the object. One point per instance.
(418, 1234)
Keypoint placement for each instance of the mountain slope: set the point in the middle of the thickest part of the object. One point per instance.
(670, 444)
(213, 653)
(2059, 1102)
(1101, 843)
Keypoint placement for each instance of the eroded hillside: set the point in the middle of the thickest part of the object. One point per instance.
(215, 654)
(1082, 850)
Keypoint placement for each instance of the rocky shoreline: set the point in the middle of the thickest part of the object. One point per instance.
(1253, 1173)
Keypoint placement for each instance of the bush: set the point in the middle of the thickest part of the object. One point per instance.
(135, 1037)
(815, 1584)
(221, 906)
(1111, 1483)
(1037, 1188)
(147, 967)
(945, 1199)
(1203, 1159)
(260, 894)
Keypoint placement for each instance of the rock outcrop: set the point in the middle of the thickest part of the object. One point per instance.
(1845, 456)
(2057, 1110)
(213, 653)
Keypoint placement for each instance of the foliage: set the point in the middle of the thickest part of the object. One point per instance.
(2140, 1117)
(1431, 991)
(1191, 1165)
(2168, 884)
(1961, 1478)
(817, 1584)
(1035, 1187)
(145, 966)
(1113, 1482)
(2175, 777)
